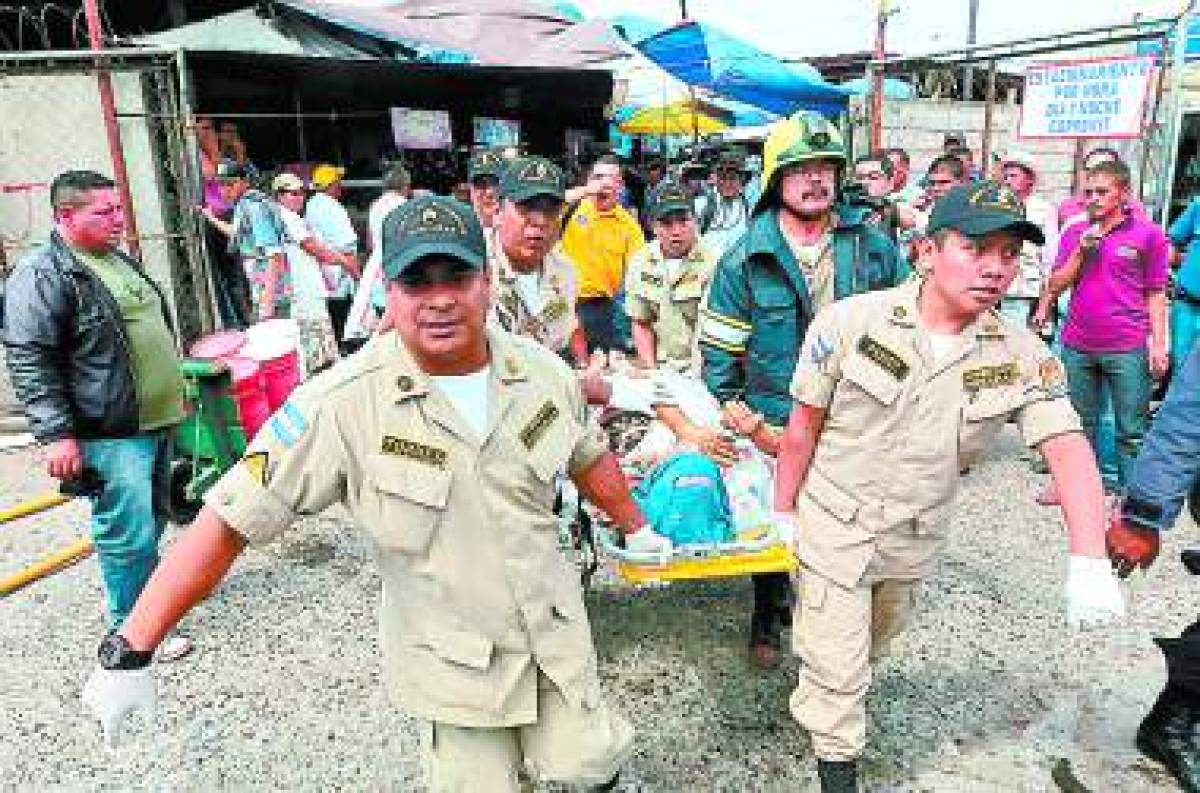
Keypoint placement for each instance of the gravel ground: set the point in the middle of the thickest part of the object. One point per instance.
(986, 692)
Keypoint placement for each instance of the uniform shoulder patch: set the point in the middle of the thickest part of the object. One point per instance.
(888, 360)
(1053, 377)
(257, 464)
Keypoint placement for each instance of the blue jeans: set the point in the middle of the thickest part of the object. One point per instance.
(1126, 375)
(1185, 328)
(130, 513)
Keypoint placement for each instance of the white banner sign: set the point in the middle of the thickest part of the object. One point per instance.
(1099, 98)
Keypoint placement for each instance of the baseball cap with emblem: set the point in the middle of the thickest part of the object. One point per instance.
(979, 209)
(668, 197)
(431, 226)
(484, 163)
(529, 177)
(325, 174)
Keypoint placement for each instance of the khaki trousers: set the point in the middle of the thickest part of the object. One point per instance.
(576, 746)
(838, 633)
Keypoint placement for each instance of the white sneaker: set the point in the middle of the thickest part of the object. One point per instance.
(173, 648)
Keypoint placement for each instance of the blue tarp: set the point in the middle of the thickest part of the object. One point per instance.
(892, 89)
(703, 56)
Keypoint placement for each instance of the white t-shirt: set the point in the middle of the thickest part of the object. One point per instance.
(307, 281)
(331, 223)
(529, 289)
(468, 393)
(943, 345)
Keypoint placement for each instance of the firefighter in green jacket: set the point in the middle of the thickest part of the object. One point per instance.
(802, 250)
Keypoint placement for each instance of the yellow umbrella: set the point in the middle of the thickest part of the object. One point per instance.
(677, 118)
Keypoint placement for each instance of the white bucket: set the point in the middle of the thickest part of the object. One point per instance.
(271, 339)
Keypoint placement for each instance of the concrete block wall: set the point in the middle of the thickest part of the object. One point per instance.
(919, 126)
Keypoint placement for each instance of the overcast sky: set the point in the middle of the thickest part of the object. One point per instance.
(798, 28)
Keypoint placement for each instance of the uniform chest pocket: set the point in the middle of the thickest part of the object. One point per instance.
(983, 417)
(868, 376)
(991, 404)
(407, 499)
(775, 301)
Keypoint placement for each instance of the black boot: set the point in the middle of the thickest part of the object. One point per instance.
(1168, 735)
(838, 776)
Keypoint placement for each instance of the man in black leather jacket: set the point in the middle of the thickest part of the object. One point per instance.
(92, 357)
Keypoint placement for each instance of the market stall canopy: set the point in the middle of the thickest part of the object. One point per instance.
(703, 56)
(678, 118)
(249, 31)
(492, 32)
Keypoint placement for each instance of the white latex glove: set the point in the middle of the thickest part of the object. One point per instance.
(647, 540)
(785, 525)
(1093, 596)
(112, 694)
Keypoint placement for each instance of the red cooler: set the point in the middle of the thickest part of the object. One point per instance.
(253, 406)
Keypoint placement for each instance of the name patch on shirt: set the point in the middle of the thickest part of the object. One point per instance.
(538, 425)
(402, 447)
(991, 376)
(889, 361)
(652, 279)
(1128, 252)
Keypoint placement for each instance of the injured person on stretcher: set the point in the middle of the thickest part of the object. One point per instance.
(685, 421)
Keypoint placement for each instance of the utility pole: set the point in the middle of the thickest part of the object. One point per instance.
(108, 107)
(972, 37)
(877, 77)
(1166, 184)
(683, 10)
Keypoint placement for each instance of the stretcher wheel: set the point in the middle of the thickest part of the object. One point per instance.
(181, 509)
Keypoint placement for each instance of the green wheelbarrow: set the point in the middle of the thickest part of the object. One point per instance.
(210, 439)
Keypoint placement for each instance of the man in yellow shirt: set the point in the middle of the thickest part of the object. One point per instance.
(599, 238)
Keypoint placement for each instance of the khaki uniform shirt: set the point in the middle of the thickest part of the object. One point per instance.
(899, 425)
(476, 594)
(551, 322)
(669, 305)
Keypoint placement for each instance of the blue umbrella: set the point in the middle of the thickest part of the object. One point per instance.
(703, 56)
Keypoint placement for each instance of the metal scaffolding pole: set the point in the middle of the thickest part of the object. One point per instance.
(111, 129)
(1178, 62)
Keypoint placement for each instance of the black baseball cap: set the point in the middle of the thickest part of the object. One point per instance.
(485, 162)
(981, 208)
(670, 196)
(530, 177)
(431, 226)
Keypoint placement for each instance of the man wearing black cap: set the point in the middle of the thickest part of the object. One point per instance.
(443, 440)
(536, 287)
(483, 174)
(898, 387)
(723, 212)
(665, 282)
